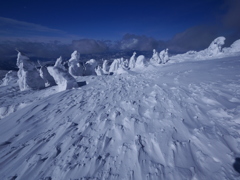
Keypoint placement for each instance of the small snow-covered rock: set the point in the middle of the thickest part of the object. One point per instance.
(63, 79)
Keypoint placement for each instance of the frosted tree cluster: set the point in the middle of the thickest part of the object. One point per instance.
(29, 77)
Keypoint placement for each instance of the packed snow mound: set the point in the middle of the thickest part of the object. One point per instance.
(28, 75)
(90, 67)
(173, 122)
(61, 76)
(10, 78)
(140, 62)
(74, 66)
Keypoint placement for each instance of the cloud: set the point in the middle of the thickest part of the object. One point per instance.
(11, 29)
(194, 38)
(140, 43)
(87, 46)
(231, 18)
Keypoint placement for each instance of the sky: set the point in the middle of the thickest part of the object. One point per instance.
(187, 23)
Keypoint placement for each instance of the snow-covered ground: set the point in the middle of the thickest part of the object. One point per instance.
(173, 121)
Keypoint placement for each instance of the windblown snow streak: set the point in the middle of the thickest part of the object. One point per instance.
(173, 121)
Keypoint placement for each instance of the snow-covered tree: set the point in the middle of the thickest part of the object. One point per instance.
(216, 46)
(90, 67)
(99, 71)
(45, 75)
(74, 66)
(164, 56)
(114, 66)
(155, 57)
(125, 63)
(132, 61)
(235, 47)
(10, 78)
(140, 62)
(28, 75)
(105, 67)
(61, 76)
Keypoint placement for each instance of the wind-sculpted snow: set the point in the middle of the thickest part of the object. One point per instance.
(173, 122)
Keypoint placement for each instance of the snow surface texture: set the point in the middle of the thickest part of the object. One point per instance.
(173, 121)
(61, 76)
(28, 75)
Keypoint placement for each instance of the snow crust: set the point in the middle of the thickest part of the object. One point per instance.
(173, 122)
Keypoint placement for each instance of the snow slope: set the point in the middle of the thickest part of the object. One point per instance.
(172, 121)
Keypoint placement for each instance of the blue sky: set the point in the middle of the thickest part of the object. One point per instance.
(52, 28)
(106, 19)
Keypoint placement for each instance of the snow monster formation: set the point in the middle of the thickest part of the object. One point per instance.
(155, 57)
(132, 61)
(105, 67)
(164, 56)
(75, 68)
(99, 71)
(235, 47)
(90, 67)
(10, 78)
(215, 47)
(63, 79)
(28, 75)
(45, 75)
(141, 62)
